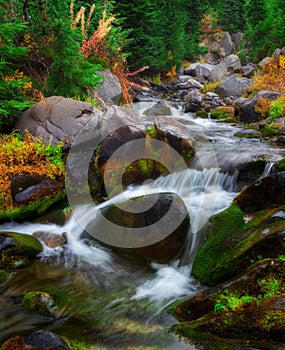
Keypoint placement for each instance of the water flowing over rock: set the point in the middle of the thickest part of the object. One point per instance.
(57, 119)
(163, 205)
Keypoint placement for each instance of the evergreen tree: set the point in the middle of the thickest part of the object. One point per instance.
(13, 82)
(231, 15)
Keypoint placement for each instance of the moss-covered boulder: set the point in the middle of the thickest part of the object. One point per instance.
(248, 310)
(268, 192)
(236, 240)
(153, 226)
(18, 249)
(40, 302)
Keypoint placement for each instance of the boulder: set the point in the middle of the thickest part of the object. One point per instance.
(247, 310)
(158, 108)
(226, 67)
(28, 188)
(247, 112)
(39, 340)
(248, 70)
(189, 84)
(118, 126)
(220, 44)
(237, 38)
(193, 97)
(111, 90)
(268, 192)
(199, 70)
(57, 119)
(233, 86)
(18, 249)
(177, 135)
(236, 239)
(51, 240)
(168, 234)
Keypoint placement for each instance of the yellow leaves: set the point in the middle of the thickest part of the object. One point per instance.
(28, 155)
(19, 77)
(172, 73)
(271, 77)
(282, 61)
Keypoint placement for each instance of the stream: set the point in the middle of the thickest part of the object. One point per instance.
(114, 300)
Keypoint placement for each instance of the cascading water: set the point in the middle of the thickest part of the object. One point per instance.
(127, 298)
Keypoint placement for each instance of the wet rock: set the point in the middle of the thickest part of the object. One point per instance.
(247, 310)
(119, 126)
(40, 302)
(235, 241)
(281, 140)
(27, 188)
(57, 119)
(248, 133)
(51, 240)
(110, 91)
(6, 242)
(24, 248)
(177, 136)
(158, 108)
(158, 240)
(194, 97)
(268, 192)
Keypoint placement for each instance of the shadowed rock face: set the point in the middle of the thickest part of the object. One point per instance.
(169, 234)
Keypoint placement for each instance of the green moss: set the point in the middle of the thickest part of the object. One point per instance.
(234, 243)
(40, 302)
(279, 166)
(26, 247)
(34, 209)
(202, 114)
(270, 130)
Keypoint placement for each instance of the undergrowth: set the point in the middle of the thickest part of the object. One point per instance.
(26, 155)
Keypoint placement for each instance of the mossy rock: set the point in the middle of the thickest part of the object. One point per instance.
(21, 251)
(156, 231)
(249, 308)
(202, 114)
(31, 210)
(268, 192)
(236, 241)
(40, 302)
(279, 166)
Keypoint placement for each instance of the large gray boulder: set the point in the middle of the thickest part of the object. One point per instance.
(57, 119)
(228, 66)
(111, 90)
(200, 70)
(233, 86)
